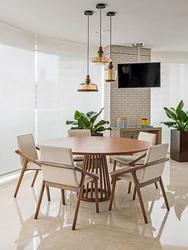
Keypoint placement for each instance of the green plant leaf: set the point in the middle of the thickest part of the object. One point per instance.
(78, 114)
(180, 106)
(86, 123)
(99, 129)
(93, 119)
(74, 128)
(182, 116)
(90, 113)
(71, 122)
(173, 109)
(81, 124)
(169, 124)
(102, 122)
(172, 115)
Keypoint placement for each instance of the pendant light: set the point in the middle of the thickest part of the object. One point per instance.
(100, 59)
(87, 86)
(110, 72)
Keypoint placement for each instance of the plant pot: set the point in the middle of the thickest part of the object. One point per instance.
(179, 146)
(96, 134)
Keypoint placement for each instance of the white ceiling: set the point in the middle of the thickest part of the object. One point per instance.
(160, 24)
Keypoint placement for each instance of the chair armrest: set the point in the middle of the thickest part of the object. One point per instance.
(132, 163)
(94, 176)
(27, 158)
(126, 170)
(57, 165)
(133, 169)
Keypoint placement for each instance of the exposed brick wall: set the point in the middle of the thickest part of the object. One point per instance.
(133, 103)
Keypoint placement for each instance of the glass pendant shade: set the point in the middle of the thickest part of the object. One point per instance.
(100, 59)
(87, 86)
(110, 73)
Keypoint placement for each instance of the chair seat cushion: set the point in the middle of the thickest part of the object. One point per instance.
(129, 177)
(126, 159)
(32, 166)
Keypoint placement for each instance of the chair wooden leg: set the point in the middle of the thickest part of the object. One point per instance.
(140, 199)
(48, 193)
(114, 166)
(156, 185)
(39, 200)
(112, 194)
(63, 196)
(77, 208)
(134, 193)
(164, 194)
(129, 188)
(20, 179)
(97, 196)
(34, 179)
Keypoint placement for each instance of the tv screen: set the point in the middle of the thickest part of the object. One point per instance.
(139, 75)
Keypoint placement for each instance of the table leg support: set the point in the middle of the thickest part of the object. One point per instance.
(97, 164)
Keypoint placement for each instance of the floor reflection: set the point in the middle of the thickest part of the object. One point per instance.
(122, 228)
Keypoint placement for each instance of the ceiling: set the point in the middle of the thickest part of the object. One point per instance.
(160, 24)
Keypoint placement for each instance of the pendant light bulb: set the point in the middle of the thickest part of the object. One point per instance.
(87, 86)
(100, 59)
(110, 72)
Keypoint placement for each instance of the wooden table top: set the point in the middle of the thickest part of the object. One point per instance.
(99, 145)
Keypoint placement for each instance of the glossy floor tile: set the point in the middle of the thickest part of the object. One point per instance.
(122, 228)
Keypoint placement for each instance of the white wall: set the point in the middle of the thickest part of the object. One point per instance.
(169, 56)
(174, 86)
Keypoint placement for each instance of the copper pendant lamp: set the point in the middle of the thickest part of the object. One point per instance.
(100, 59)
(88, 86)
(110, 72)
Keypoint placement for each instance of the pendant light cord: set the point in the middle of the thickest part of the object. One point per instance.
(100, 27)
(110, 34)
(88, 46)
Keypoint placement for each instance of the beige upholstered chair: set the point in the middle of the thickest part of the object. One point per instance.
(127, 159)
(59, 171)
(78, 133)
(28, 156)
(145, 174)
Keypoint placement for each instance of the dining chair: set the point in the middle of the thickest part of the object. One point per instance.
(131, 160)
(59, 171)
(27, 151)
(78, 133)
(144, 174)
(127, 159)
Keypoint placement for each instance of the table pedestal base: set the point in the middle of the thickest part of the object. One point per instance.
(97, 164)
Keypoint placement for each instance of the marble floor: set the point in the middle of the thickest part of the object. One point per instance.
(122, 228)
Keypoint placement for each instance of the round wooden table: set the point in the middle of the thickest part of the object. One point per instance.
(95, 149)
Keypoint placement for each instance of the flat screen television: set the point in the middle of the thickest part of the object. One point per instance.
(139, 75)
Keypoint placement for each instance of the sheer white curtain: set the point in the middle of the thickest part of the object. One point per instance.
(174, 88)
(38, 88)
(17, 92)
(61, 67)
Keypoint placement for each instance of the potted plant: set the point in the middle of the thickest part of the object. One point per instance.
(179, 135)
(89, 121)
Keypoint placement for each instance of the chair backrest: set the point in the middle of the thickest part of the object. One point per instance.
(26, 145)
(148, 137)
(155, 153)
(59, 175)
(78, 132)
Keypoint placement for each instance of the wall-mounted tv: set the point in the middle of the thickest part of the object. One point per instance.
(139, 75)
